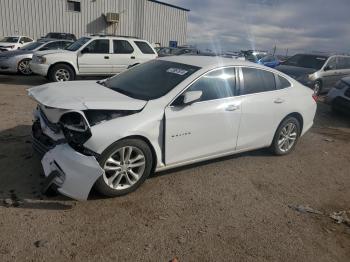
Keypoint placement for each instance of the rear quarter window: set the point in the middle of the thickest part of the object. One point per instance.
(281, 82)
(144, 47)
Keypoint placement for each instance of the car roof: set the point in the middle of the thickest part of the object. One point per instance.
(115, 37)
(209, 61)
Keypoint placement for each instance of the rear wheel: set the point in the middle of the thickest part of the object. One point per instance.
(24, 68)
(127, 163)
(286, 136)
(61, 72)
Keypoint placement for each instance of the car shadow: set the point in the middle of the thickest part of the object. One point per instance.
(21, 176)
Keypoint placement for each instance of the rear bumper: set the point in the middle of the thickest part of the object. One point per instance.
(39, 69)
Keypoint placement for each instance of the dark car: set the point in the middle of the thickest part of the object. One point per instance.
(61, 36)
(339, 96)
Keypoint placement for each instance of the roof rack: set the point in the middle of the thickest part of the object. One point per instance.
(104, 35)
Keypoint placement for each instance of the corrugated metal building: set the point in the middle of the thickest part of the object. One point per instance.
(152, 20)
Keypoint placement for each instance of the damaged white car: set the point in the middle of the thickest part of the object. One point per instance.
(165, 113)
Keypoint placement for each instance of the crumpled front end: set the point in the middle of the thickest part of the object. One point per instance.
(72, 170)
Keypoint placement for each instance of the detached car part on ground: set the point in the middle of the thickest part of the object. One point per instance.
(162, 114)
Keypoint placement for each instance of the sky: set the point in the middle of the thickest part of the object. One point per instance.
(296, 25)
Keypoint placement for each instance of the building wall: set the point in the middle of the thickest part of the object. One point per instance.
(151, 21)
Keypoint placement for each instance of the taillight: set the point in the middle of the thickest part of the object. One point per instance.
(315, 97)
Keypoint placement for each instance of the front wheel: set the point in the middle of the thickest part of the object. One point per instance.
(24, 68)
(127, 164)
(286, 136)
(61, 73)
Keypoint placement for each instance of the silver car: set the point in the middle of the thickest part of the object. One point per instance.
(317, 71)
(18, 60)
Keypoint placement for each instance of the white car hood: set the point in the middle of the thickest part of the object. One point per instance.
(82, 95)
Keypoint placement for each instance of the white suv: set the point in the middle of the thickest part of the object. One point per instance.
(93, 55)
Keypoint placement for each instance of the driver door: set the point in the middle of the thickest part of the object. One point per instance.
(207, 127)
(95, 58)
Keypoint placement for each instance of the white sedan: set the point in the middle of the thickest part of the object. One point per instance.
(165, 113)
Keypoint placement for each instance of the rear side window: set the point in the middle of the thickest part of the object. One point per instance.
(215, 85)
(98, 47)
(144, 47)
(281, 82)
(122, 47)
(257, 81)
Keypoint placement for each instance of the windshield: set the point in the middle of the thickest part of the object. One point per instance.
(10, 39)
(150, 80)
(307, 61)
(32, 46)
(77, 44)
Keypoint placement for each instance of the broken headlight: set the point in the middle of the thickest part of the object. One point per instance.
(75, 128)
(98, 116)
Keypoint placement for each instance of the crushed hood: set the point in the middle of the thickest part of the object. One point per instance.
(53, 51)
(4, 44)
(83, 95)
(15, 53)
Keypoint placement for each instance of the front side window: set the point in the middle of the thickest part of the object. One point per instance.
(215, 85)
(100, 46)
(122, 47)
(332, 64)
(26, 40)
(144, 47)
(257, 81)
(150, 80)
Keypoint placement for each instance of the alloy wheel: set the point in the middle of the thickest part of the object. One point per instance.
(62, 75)
(124, 167)
(24, 68)
(287, 137)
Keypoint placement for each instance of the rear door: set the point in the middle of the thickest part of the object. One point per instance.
(95, 58)
(205, 128)
(123, 55)
(343, 67)
(263, 106)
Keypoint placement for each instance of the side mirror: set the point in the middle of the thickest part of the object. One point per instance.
(192, 96)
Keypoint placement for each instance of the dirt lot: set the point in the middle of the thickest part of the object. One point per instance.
(232, 209)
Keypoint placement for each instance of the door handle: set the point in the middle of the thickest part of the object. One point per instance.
(278, 101)
(106, 57)
(132, 57)
(232, 107)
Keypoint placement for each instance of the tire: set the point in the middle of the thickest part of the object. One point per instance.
(23, 67)
(279, 147)
(317, 87)
(117, 178)
(61, 72)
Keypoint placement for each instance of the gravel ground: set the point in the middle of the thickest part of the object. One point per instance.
(232, 209)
